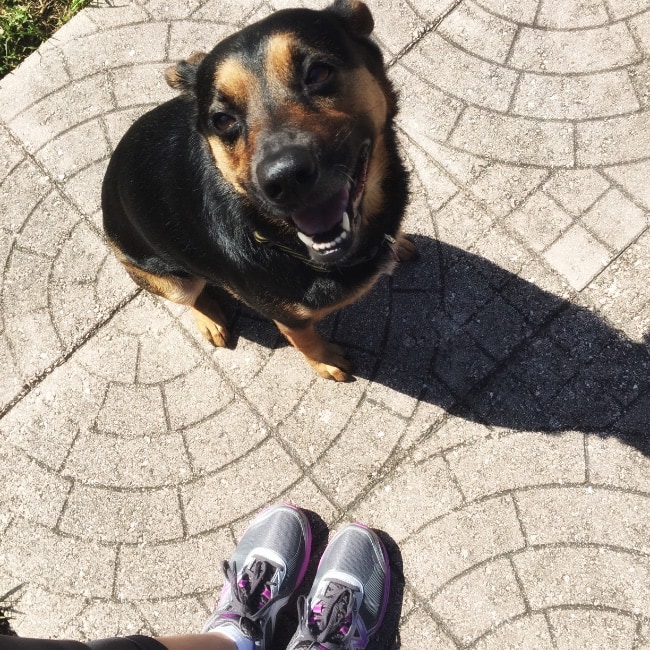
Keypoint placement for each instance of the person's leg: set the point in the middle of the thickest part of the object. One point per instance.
(137, 642)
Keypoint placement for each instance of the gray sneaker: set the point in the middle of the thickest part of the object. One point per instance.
(266, 567)
(347, 602)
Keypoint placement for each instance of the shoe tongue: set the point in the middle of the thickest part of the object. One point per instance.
(330, 615)
(254, 584)
(323, 216)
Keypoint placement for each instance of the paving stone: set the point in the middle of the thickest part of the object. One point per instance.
(107, 515)
(574, 51)
(68, 153)
(49, 418)
(570, 97)
(208, 503)
(540, 221)
(640, 27)
(629, 177)
(172, 569)
(224, 436)
(613, 463)
(481, 33)
(356, 458)
(165, 354)
(46, 614)
(420, 631)
(616, 220)
(130, 411)
(184, 615)
(112, 461)
(412, 496)
(523, 11)
(427, 114)
(516, 140)
(578, 256)
(576, 190)
(462, 221)
(45, 119)
(571, 14)
(593, 577)
(608, 142)
(505, 187)
(196, 394)
(118, 13)
(480, 83)
(319, 418)
(624, 8)
(576, 627)
(108, 619)
(489, 592)
(11, 155)
(518, 460)
(133, 84)
(36, 77)
(81, 567)
(643, 640)
(458, 541)
(585, 515)
(530, 631)
(616, 293)
(128, 45)
(453, 432)
(84, 187)
(30, 491)
(20, 192)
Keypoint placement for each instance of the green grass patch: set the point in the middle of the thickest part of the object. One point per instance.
(25, 24)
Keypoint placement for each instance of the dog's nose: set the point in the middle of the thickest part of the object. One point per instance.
(287, 174)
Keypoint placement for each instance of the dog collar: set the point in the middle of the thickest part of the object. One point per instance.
(387, 240)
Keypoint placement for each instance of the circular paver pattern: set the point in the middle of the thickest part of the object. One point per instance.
(497, 427)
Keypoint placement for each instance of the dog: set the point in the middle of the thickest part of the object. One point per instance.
(274, 174)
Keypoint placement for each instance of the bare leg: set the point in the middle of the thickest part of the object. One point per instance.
(211, 641)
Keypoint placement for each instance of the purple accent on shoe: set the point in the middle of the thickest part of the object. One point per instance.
(308, 536)
(386, 583)
(266, 593)
(317, 608)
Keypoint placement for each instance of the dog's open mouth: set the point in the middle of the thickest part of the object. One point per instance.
(326, 229)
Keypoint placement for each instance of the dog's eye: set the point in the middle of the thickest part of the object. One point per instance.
(318, 73)
(223, 122)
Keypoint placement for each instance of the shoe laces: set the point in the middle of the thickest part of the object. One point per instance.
(249, 594)
(330, 618)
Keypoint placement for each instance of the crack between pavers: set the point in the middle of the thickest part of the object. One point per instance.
(37, 380)
(423, 32)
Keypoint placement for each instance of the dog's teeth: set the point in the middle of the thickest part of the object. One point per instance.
(305, 239)
(343, 235)
(345, 224)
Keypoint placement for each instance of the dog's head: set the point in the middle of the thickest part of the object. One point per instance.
(296, 109)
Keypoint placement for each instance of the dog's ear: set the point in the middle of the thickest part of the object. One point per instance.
(182, 76)
(356, 15)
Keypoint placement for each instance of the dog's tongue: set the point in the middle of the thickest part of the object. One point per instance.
(324, 216)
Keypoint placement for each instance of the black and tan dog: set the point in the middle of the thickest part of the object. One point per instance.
(274, 175)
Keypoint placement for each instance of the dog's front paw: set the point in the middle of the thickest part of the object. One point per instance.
(406, 250)
(332, 362)
(215, 333)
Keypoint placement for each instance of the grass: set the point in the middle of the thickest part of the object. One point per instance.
(25, 24)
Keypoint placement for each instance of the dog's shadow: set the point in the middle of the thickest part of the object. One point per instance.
(457, 330)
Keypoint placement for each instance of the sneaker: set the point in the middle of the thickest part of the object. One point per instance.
(266, 567)
(347, 602)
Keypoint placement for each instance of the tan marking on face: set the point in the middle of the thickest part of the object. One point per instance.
(279, 59)
(235, 83)
(239, 88)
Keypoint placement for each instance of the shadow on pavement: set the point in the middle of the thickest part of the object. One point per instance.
(457, 330)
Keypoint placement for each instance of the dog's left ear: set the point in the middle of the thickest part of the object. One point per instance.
(182, 76)
(356, 14)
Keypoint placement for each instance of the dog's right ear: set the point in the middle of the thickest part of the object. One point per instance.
(182, 76)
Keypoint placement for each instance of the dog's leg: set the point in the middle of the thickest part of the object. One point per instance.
(406, 249)
(186, 291)
(328, 359)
